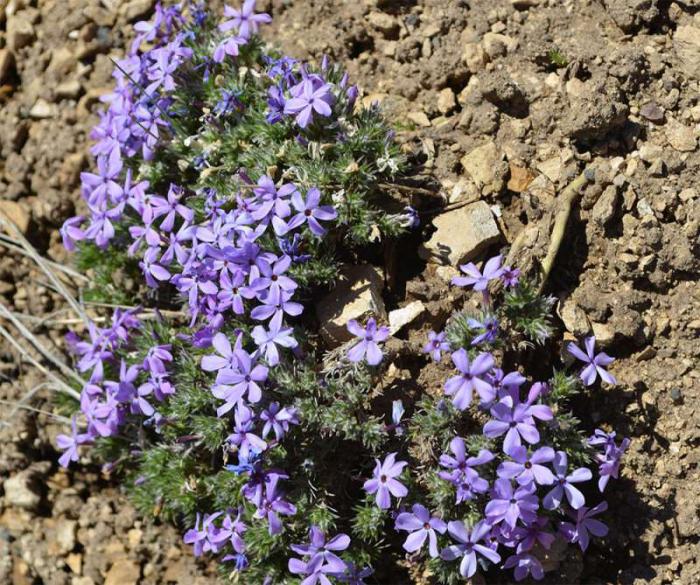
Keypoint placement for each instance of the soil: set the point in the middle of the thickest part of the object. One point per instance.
(552, 87)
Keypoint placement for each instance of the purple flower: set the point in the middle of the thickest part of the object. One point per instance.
(310, 211)
(489, 327)
(609, 460)
(199, 535)
(585, 525)
(354, 575)
(103, 185)
(461, 472)
(534, 532)
(596, 363)
(225, 357)
(370, 338)
(272, 504)
(510, 276)
(469, 544)
(384, 482)
(231, 531)
(319, 548)
(524, 564)
(268, 340)
(436, 345)
(278, 420)
(71, 233)
(228, 46)
(70, 444)
(156, 358)
(171, 207)
(461, 387)
(309, 97)
(512, 505)
(506, 384)
(245, 20)
(516, 420)
(528, 468)
(314, 570)
(234, 383)
(421, 526)
(563, 484)
(475, 278)
(276, 303)
(243, 436)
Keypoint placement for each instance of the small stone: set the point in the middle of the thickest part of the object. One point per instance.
(680, 136)
(461, 235)
(75, 562)
(498, 45)
(446, 101)
(686, 43)
(7, 62)
(15, 213)
(123, 572)
(676, 395)
(485, 166)
(688, 194)
(134, 537)
(22, 490)
(604, 334)
(652, 112)
(42, 110)
(419, 119)
(100, 16)
(69, 89)
(649, 153)
(384, 23)
(474, 57)
(136, 8)
(399, 318)
(574, 317)
(20, 32)
(520, 178)
(62, 537)
(551, 168)
(524, 4)
(646, 354)
(657, 168)
(357, 295)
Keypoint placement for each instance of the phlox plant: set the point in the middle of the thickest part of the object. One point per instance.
(231, 182)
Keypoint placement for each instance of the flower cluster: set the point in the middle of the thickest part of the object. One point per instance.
(226, 177)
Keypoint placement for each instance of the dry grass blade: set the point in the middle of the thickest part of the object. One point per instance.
(16, 246)
(62, 386)
(21, 406)
(42, 263)
(29, 336)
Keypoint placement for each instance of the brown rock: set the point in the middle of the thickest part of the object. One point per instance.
(680, 136)
(384, 23)
(357, 295)
(520, 178)
(20, 32)
(686, 43)
(7, 62)
(461, 235)
(136, 9)
(486, 167)
(123, 572)
(446, 101)
(15, 213)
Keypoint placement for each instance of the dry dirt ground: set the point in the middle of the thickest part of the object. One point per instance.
(504, 101)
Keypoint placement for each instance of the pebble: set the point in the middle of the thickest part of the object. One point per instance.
(42, 110)
(123, 572)
(686, 43)
(22, 491)
(384, 23)
(652, 112)
(474, 57)
(446, 101)
(7, 62)
(69, 89)
(419, 119)
(676, 395)
(399, 318)
(136, 8)
(20, 32)
(485, 166)
(16, 213)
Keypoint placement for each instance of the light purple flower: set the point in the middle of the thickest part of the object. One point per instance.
(310, 212)
(564, 484)
(469, 544)
(273, 504)
(512, 505)
(461, 387)
(436, 345)
(278, 419)
(422, 526)
(596, 363)
(310, 97)
(245, 20)
(461, 470)
(475, 278)
(528, 468)
(524, 565)
(267, 340)
(370, 338)
(585, 525)
(319, 548)
(70, 444)
(384, 482)
(516, 421)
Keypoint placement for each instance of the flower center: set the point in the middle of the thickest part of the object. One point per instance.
(528, 465)
(383, 479)
(307, 213)
(426, 526)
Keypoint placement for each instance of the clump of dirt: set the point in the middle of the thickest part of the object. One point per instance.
(503, 101)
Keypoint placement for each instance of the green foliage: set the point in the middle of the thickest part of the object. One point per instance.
(557, 58)
(527, 312)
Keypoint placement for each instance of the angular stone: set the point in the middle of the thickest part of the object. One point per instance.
(123, 572)
(419, 119)
(384, 22)
(486, 167)
(474, 57)
(22, 491)
(357, 295)
(20, 32)
(16, 213)
(399, 318)
(573, 317)
(520, 178)
(42, 110)
(606, 206)
(446, 101)
(461, 235)
(652, 112)
(7, 62)
(62, 537)
(69, 89)
(497, 45)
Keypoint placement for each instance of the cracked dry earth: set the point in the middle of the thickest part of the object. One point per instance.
(503, 102)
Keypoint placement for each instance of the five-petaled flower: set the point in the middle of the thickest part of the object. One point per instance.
(370, 338)
(384, 482)
(422, 526)
(596, 362)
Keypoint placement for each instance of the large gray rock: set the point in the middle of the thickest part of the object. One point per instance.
(357, 295)
(461, 235)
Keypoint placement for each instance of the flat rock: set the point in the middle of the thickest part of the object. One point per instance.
(680, 136)
(20, 32)
(686, 43)
(486, 166)
(399, 318)
(419, 119)
(520, 178)
(384, 23)
(357, 295)
(461, 235)
(606, 206)
(652, 112)
(42, 110)
(446, 101)
(61, 537)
